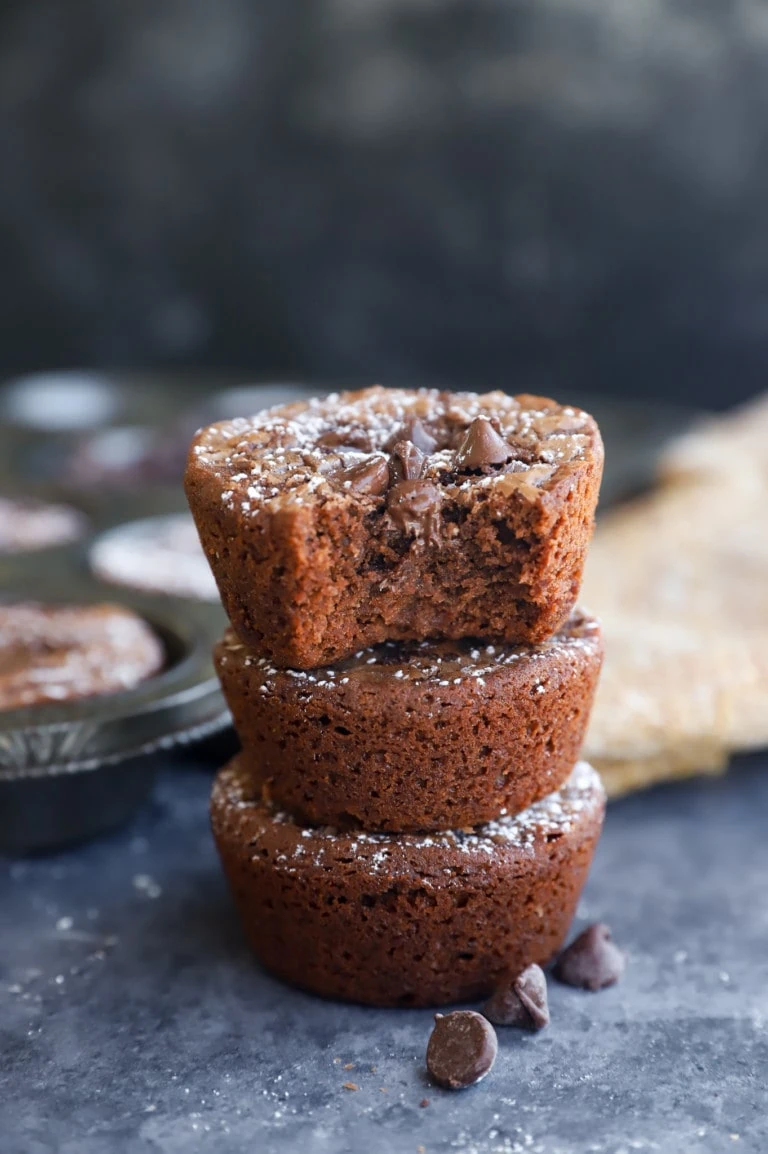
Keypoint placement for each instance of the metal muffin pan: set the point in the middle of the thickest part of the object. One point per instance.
(71, 769)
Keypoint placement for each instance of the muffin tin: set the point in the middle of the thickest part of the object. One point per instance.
(71, 770)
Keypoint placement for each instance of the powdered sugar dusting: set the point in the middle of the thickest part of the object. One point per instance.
(287, 454)
(439, 663)
(27, 525)
(161, 554)
(546, 820)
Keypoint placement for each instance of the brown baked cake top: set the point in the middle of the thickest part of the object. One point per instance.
(272, 832)
(433, 663)
(410, 444)
(53, 653)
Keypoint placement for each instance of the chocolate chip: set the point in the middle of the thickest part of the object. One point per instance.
(520, 1001)
(462, 1049)
(351, 438)
(592, 961)
(482, 446)
(414, 506)
(407, 461)
(371, 477)
(413, 430)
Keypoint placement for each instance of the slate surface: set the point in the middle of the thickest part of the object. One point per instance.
(133, 1021)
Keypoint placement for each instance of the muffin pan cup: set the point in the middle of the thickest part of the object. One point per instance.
(69, 770)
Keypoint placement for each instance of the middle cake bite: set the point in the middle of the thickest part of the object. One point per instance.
(415, 736)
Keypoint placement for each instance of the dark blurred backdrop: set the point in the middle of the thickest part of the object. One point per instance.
(528, 192)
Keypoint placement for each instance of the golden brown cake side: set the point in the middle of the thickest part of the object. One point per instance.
(415, 736)
(396, 920)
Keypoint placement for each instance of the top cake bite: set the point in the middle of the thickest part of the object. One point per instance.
(396, 514)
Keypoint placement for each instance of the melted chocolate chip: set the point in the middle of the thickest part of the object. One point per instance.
(592, 961)
(345, 439)
(520, 1001)
(414, 506)
(407, 461)
(482, 446)
(462, 1049)
(369, 477)
(413, 430)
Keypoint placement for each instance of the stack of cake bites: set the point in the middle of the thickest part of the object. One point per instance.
(407, 820)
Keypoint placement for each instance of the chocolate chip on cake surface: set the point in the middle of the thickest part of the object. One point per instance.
(414, 506)
(520, 1001)
(592, 961)
(482, 446)
(370, 476)
(407, 461)
(462, 1049)
(413, 430)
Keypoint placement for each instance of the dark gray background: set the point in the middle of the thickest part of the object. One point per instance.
(533, 191)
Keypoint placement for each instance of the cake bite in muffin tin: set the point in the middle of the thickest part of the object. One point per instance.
(55, 653)
(28, 525)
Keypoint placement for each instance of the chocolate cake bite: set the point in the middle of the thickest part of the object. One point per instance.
(396, 515)
(414, 735)
(404, 919)
(56, 653)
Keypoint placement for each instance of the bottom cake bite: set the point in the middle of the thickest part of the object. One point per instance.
(406, 920)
